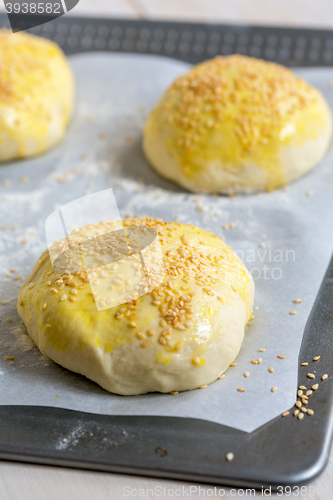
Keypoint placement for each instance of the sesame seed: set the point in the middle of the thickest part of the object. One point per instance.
(63, 297)
(262, 350)
(233, 364)
(48, 326)
(31, 285)
(53, 290)
(304, 401)
(151, 332)
(163, 322)
(296, 412)
(308, 393)
(221, 376)
(274, 389)
(10, 358)
(285, 414)
(310, 412)
(49, 283)
(145, 343)
(140, 335)
(229, 456)
(246, 374)
(315, 387)
(9, 320)
(203, 386)
(162, 340)
(299, 393)
(316, 358)
(174, 392)
(302, 387)
(196, 361)
(44, 306)
(324, 377)
(300, 416)
(73, 299)
(241, 389)
(293, 313)
(259, 360)
(311, 375)
(304, 364)
(304, 410)
(298, 404)
(298, 301)
(270, 369)
(132, 324)
(73, 291)
(281, 356)
(254, 361)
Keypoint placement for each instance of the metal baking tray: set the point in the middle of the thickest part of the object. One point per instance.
(279, 453)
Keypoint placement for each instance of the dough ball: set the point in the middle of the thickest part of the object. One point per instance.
(178, 333)
(237, 124)
(36, 95)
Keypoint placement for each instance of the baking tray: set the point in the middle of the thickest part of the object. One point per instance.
(279, 453)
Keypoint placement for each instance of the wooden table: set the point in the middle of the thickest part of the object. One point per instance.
(35, 482)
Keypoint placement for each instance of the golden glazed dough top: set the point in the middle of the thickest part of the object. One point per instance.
(24, 67)
(202, 275)
(241, 110)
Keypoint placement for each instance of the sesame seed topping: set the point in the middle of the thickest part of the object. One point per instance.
(233, 364)
(308, 393)
(262, 350)
(241, 389)
(316, 358)
(310, 412)
(281, 356)
(246, 374)
(151, 332)
(298, 301)
(44, 306)
(315, 387)
(270, 369)
(196, 361)
(31, 285)
(296, 412)
(9, 320)
(302, 387)
(73, 299)
(10, 358)
(145, 343)
(299, 393)
(229, 456)
(254, 361)
(174, 392)
(259, 360)
(285, 414)
(53, 290)
(300, 416)
(298, 404)
(293, 313)
(304, 410)
(274, 389)
(304, 364)
(203, 386)
(311, 375)
(324, 377)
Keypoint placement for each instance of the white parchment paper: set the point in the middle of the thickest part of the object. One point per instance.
(285, 238)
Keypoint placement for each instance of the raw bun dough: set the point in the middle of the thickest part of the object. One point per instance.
(237, 124)
(36, 94)
(181, 335)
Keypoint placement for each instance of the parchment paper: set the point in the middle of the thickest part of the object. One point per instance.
(285, 238)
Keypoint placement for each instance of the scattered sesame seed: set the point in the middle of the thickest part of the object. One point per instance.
(324, 377)
(18, 277)
(274, 389)
(304, 401)
(298, 301)
(302, 387)
(73, 299)
(53, 290)
(254, 361)
(298, 404)
(270, 369)
(246, 374)
(296, 412)
(233, 364)
(311, 375)
(174, 392)
(285, 414)
(31, 285)
(315, 387)
(229, 456)
(304, 410)
(10, 358)
(9, 320)
(133, 324)
(63, 297)
(48, 326)
(304, 364)
(316, 358)
(203, 386)
(310, 412)
(241, 389)
(300, 416)
(308, 393)
(293, 313)
(259, 361)
(145, 343)
(151, 332)
(262, 350)
(44, 306)
(281, 356)
(299, 393)
(140, 335)
(196, 361)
